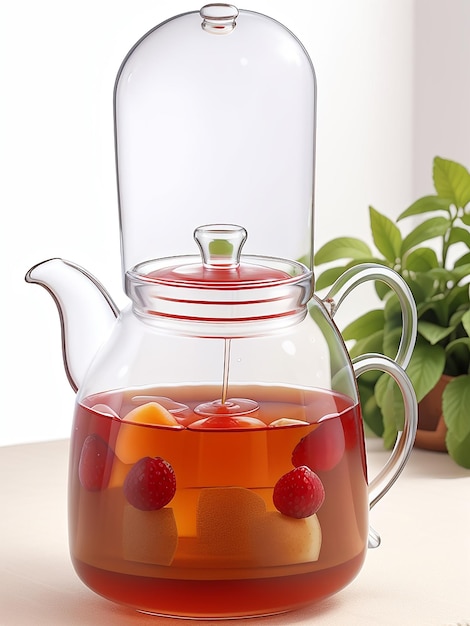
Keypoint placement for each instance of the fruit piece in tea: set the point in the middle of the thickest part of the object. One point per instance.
(287, 421)
(224, 518)
(299, 493)
(94, 467)
(322, 449)
(134, 443)
(149, 536)
(280, 540)
(150, 484)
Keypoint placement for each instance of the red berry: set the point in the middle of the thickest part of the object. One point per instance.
(150, 484)
(94, 467)
(299, 493)
(323, 448)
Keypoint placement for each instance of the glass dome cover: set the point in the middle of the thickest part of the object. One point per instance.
(215, 124)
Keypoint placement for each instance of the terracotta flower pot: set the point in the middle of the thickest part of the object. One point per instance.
(432, 430)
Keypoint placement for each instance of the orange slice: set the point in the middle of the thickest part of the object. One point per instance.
(281, 540)
(137, 438)
(118, 473)
(287, 421)
(149, 536)
(224, 519)
(152, 413)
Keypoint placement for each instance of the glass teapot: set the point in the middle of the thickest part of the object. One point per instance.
(217, 464)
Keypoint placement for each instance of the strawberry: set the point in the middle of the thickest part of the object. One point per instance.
(299, 493)
(150, 484)
(323, 448)
(94, 466)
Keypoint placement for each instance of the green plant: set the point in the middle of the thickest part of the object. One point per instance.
(434, 260)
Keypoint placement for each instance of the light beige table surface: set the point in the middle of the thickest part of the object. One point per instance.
(419, 576)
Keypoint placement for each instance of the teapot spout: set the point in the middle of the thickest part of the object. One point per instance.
(86, 312)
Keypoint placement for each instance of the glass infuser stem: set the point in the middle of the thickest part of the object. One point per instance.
(230, 407)
(227, 347)
(221, 246)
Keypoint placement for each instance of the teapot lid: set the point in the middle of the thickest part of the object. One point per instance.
(221, 284)
(220, 246)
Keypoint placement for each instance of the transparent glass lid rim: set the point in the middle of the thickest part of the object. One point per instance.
(147, 272)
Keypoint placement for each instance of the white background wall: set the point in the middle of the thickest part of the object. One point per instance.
(393, 91)
(441, 86)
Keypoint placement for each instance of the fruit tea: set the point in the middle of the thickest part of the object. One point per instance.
(174, 513)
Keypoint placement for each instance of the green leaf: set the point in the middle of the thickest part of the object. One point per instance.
(445, 276)
(372, 343)
(386, 235)
(381, 289)
(392, 310)
(393, 326)
(457, 317)
(371, 413)
(464, 260)
(461, 341)
(433, 332)
(426, 367)
(436, 312)
(458, 356)
(441, 274)
(459, 297)
(342, 248)
(458, 235)
(455, 403)
(392, 335)
(422, 287)
(390, 401)
(466, 322)
(451, 180)
(459, 449)
(328, 277)
(459, 272)
(466, 218)
(426, 205)
(364, 326)
(431, 228)
(367, 381)
(420, 260)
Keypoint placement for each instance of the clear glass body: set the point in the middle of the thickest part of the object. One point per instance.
(220, 548)
(216, 125)
(250, 400)
(233, 404)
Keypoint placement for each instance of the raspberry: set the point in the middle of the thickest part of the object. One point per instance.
(299, 493)
(322, 449)
(150, 484)
(94, 467)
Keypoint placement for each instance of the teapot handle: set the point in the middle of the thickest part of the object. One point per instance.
(379, 486)
(352, 277)
(364, 272)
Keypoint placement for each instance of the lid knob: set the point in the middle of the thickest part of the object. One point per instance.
(220, 245)
(218, 18)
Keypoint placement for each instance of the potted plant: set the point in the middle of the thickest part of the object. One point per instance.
(434, 260)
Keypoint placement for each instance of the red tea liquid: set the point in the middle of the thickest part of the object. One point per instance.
(220, 548)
